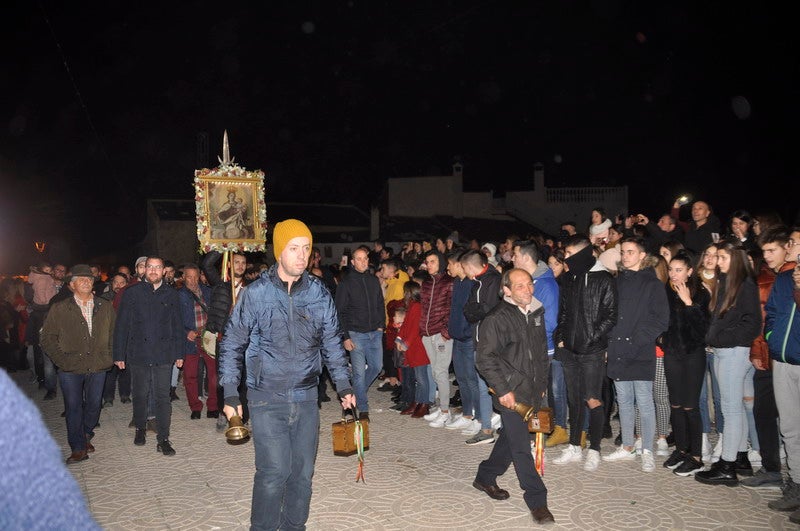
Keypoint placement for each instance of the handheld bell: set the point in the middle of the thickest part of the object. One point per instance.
(237, 432)
(525, 411)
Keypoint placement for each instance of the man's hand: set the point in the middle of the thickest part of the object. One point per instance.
(643, 220)
(179, 363)
(192, 335)
(120, 365)
(508, 400)
(349, 345)
(229, 411)
(758, 364)
(348, 401)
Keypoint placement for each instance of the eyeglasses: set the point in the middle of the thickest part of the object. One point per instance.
(156, 267)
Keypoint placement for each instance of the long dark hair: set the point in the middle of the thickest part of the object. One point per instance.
(410, 292)
(694, 283)
(737, 273)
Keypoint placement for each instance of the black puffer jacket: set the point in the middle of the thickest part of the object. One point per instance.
(742, 323)
(512, 353)
(688, 325)
(219, 306)
(587, 310)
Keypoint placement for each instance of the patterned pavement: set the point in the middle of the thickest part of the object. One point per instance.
(417, 478)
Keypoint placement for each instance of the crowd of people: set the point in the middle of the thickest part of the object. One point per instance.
(655, 321)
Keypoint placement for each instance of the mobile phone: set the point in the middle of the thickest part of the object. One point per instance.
(715, 237)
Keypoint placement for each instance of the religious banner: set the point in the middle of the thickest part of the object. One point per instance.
(231, 214)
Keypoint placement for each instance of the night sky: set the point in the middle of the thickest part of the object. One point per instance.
(103, 104)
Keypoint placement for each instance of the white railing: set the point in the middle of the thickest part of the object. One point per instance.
(594, 195)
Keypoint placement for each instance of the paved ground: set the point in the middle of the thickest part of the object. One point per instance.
(417, 478)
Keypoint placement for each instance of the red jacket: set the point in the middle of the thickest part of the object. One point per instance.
(766, 278)
(436, 296)
(409, 333)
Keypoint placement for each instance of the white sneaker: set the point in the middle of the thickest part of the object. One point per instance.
(441, 420)
(592, 461)
(662, 448)
(473, 428)
(570, 454)
(754, 456)
(458, 423)
(620, 454)
(638, 446)
(648, 461)
(706, 449)
(496, 422)
(717, 450)
(433, 415)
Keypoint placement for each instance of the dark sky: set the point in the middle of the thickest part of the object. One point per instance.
(103, 103)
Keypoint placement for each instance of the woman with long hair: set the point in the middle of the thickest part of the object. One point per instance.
(741, 229)
(598, 229)
(685, 362)
(669, 249)
(735, 323)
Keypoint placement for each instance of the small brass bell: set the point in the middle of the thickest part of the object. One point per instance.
(237, 432)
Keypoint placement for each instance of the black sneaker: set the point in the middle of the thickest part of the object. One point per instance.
(125, 399)
(140, 439)
(763, 479)
(675, 460)
(790, 501)
(689, 467)
(49, 395)
(165, 447)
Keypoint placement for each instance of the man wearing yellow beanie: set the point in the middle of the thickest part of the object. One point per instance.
(294, 327)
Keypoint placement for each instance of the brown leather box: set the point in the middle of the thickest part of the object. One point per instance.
(343, 432)
(541, 421)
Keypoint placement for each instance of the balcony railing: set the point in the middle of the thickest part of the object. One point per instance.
(598, 195)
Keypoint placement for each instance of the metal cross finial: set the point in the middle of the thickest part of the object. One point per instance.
(226, 159)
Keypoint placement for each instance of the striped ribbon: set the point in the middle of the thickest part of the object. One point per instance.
(358, 435)
(538, 457)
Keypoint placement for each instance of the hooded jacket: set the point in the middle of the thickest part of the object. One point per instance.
(484, 297)
(782, 325)
(643, 315)
(512, 352)
(436, 295)
(458, 327)
(282, 338)
(766, 278)
(587, 308)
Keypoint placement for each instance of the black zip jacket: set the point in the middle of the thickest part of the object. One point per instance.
(359, 301)
(741, 324)
(512, 353)
(587, 311)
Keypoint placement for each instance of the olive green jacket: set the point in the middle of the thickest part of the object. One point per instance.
(65, 336)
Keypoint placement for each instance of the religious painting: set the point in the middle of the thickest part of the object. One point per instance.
(231, 214)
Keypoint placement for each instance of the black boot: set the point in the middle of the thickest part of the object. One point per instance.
(721, 473)
(743, 466)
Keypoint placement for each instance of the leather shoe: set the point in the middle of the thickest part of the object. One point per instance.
(89, 447)
(49, 395)
(364, 415)
(76, 457)
(409, 409)
(493, 491)
(140, 439)
(213, 414)
(195, 415)
(542, 515)
(421, 411)
(165, 447)
(125, 400)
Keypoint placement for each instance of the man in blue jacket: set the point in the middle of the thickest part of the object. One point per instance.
(149, 339)
(285, 325)
(782, 331)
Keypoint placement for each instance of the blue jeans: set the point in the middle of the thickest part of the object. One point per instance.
(731, 366)
(422, 389)
(83, 394)
(467, 375)
(50, 377)
(558, 394)
(286, 436)
(640, 393)
(749, 391)
(366, 359)
(485, 404)
(719, 420)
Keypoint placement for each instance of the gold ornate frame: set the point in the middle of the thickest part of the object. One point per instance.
(226, 223)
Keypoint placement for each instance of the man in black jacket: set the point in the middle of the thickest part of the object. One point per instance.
(359, 302)
(149, 338)
(512, 357)
(219, 309)
(587, 311)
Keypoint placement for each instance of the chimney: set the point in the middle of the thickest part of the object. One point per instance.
(538, 177)
(458, 170)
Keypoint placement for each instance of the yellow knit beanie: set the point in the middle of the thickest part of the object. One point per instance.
(286, 230)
